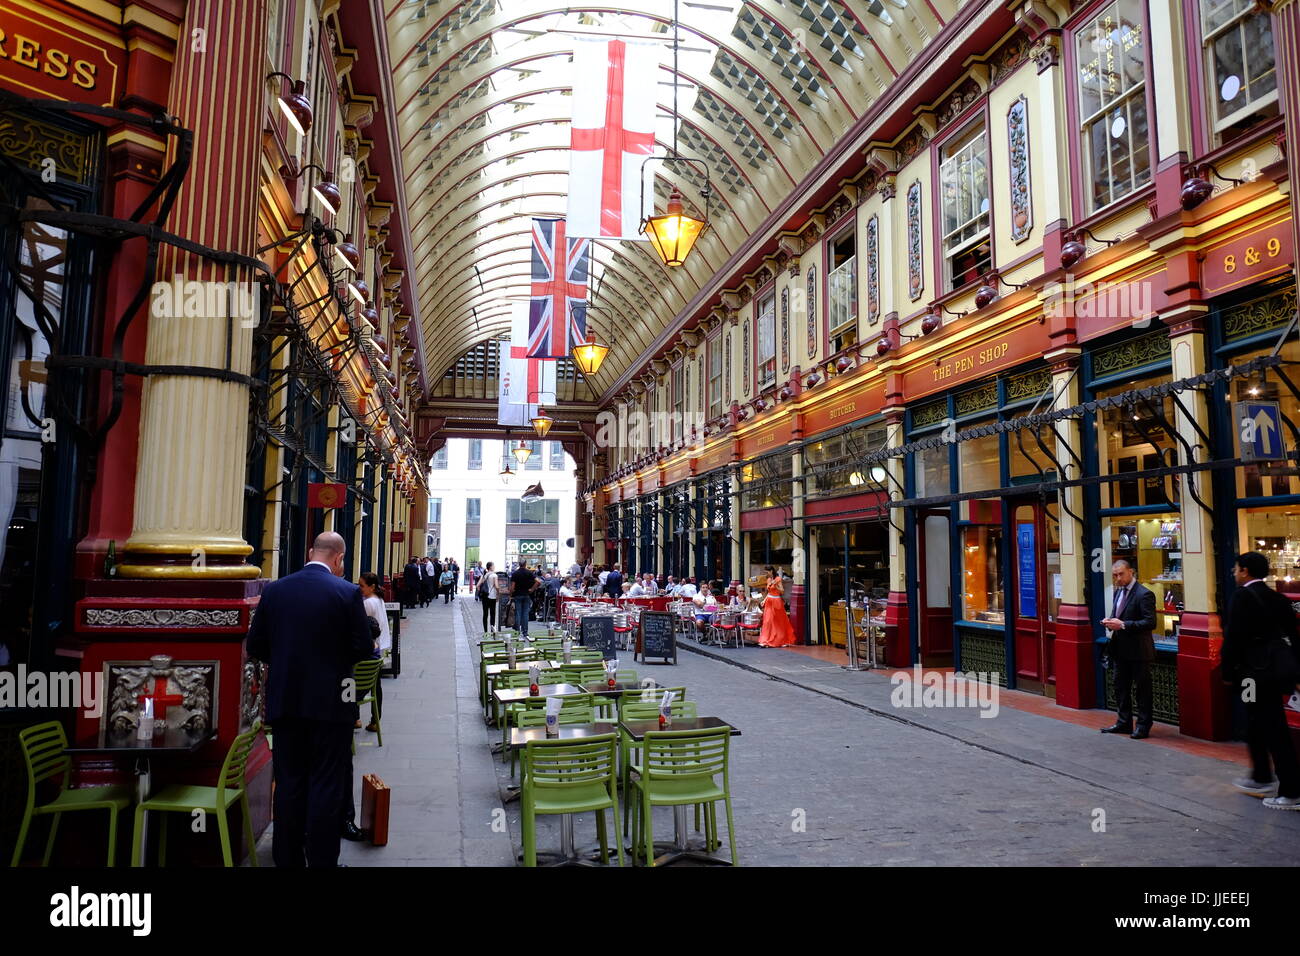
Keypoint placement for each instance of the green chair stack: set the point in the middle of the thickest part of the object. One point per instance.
(43, 748)
(681, 767)
(182, 798)
(562, 776)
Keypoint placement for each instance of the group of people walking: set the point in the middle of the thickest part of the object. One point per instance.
(424, 579)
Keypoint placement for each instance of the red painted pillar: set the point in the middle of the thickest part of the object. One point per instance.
(898, 644)
(1076, 677)
(798, 602)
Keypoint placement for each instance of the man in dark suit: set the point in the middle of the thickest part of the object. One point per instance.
(614, 583)
(411, 583)
(310, 628)
(1132, 650)
(1258, 615)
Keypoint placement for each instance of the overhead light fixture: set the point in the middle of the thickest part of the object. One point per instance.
(1197, 189)
(674, 233)
(1074, 250)
(878, 474)
(521, 453)
(542, 423)
(325, 190)
(294, 104)
(931, 323)
(359, 290)
(347, 253)
(506, 474)
(590, 354)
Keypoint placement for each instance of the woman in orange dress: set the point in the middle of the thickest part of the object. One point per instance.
(776, 631)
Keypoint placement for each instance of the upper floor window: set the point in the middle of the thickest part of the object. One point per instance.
(1111, 60)
(679, 392)
(842, 291)
(473, 510)
(534, 462)
(435, 510)
(1240, 73)
(715, 376)
(964, 182)
(557, 456)
(475, 454)
(544, 511)
(440, 459)
(767, 341)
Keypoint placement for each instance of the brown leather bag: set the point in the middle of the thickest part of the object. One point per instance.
(374, 809)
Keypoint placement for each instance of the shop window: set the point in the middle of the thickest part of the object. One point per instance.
(983, 588)
(1275, 533)
(1110, 57)
(545, 511)
(765, 482)
(834, 464)
(1024, 465)
(472, 550)
(715, 377)
(1240, 68)
(979, 461)
(933, 476)
(1132, 439)
(1153, 545)
(842, 289)
(1266, 478)
(964, 182)
(766, 341)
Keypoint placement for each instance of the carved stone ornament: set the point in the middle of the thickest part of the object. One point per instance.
(161, 617)
(888, 187)
(194, 682)
(252, 695)
(1046, 53)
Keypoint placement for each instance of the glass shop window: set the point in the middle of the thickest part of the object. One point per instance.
(1275, 533)
(1153, 545)
(979, 461)
(983, 588)
(1266, 478)
(1132, 439)
(933, 476)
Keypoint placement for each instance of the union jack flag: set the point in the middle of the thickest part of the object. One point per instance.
(557, 318)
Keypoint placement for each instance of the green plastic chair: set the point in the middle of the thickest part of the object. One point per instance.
(633, 708)
(534, 717)
(43, 748)
(366, 674)
(183, 798)
(564, 776)
(680, 767)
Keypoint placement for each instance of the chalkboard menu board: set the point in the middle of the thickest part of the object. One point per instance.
(658, 638)
(598, 631)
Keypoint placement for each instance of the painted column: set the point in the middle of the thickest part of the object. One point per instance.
(1075, 674)
(801, 582)
(189, 496)
(1202, 705)
(736, 536)
(898, 644)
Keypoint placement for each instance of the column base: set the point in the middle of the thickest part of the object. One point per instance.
(798, 599)
(1076, 678)
(1202, 700)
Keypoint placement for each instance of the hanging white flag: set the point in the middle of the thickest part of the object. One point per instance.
(611, 134)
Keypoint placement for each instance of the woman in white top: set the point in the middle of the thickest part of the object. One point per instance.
(375, 611)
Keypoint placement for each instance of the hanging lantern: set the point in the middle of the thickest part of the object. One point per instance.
(590, 354)
(521, 453)
(542, 422)
(674, 233)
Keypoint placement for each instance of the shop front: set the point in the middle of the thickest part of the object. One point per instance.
(712, 519)
(766, 515)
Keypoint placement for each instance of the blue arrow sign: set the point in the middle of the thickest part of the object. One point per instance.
(1259, 426)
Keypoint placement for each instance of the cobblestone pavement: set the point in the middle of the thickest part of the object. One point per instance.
(827, 773)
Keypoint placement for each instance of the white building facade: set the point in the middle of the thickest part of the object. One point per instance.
(475, 514)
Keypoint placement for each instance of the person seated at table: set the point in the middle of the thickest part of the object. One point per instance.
(672, 586)
(636, 589)
(651, 584)
(627, 588)
(569, 589)
(705, 598)
(687, 588)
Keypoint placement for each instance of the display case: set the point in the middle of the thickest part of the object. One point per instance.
(983, 588)
(1153, 546)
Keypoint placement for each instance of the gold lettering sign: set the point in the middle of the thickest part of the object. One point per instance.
(46, 58)
(959, 365)
(843, 411)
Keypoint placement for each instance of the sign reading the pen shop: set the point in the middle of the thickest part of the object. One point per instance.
(976, 361)
(46, 54)
(1247, 259)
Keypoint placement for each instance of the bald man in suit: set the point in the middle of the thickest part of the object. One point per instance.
(311, 628)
